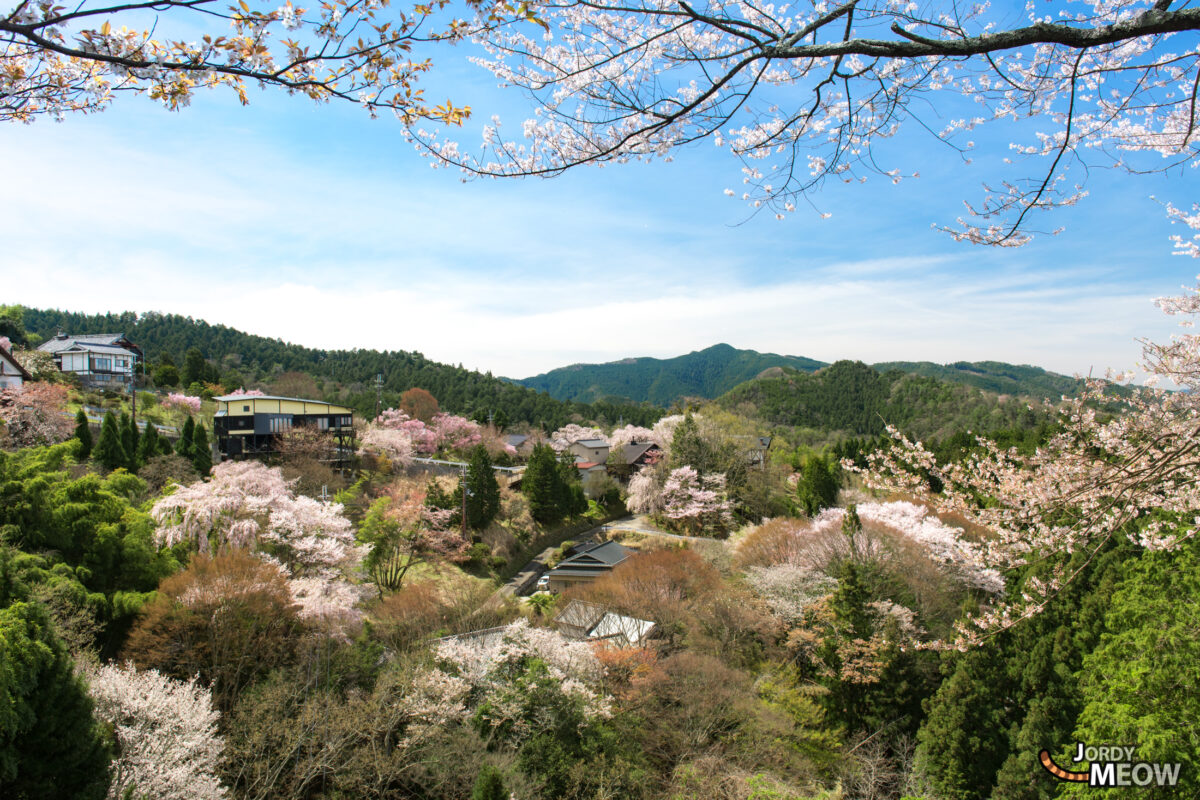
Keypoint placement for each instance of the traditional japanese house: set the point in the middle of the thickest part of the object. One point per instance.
(101, 360)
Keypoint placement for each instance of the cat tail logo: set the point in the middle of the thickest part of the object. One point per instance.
(1112, 766)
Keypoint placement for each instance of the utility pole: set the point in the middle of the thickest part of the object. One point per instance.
(462, 483)
(133, 389)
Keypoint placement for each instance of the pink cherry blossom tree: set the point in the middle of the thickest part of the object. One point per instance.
(34, 414)
(248, 505)
(453, 432)
(168, 747)
(182, 402)
(803, 93)
(479, 672)
(394, 443)
(695, 503)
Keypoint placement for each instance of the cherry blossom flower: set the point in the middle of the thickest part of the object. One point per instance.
(166, 732)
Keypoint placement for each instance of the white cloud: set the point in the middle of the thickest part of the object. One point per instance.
(515, 278)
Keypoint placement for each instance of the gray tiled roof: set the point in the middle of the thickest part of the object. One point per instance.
(53, 345)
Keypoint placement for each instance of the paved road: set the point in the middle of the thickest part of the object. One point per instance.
(529, 573)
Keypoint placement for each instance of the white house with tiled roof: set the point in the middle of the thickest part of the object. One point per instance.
(101, 360)
(12, 374)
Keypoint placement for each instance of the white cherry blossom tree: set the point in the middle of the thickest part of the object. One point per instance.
(57, 59)
(803, 93)
(166, 732)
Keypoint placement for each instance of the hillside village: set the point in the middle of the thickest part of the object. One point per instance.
(417, 603)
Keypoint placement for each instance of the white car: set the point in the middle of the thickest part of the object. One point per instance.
(543, 584)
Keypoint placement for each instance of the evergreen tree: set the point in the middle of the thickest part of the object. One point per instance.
(483, 492)
(489, 785)
(129, 442)
(542, 485)
(1019, 692)
(568, 475)
(193, 367)
(183, 447)
(83, 432)
(1140, 686)
(50, 744)
(149, 446)
(201, 453)
(818, 485)
(110, 452)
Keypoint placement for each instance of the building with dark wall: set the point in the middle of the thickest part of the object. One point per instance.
(247, 425)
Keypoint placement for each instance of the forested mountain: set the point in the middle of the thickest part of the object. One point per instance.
(993, 376)
(345, 375)
(851, 397)
(704, 373)
(718, 369)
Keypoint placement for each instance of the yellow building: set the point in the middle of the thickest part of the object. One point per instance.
(247, 424)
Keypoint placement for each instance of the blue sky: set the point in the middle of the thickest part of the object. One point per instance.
(319, 226)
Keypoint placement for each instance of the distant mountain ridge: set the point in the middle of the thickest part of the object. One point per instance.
(716, 370)
(704, 373)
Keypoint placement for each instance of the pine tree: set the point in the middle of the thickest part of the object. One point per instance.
(129, 442)
(149, 446)
(201, 453)
(83, 432)
(483, 495)
(183, 447)
(542, 485)
(109, 450)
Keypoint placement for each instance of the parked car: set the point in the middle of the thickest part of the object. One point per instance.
(543, 584)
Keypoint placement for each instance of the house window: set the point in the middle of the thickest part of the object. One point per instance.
(322, 423)
(103, 364)
(245, 408)
(280, 424)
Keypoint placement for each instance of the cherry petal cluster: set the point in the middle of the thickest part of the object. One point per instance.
(61, 59)
(251, 506)
(444, 431)
(35, 414)
(566, 436)
(166, 734)
(632, 433)
(696, 503)
(185, 403)
(486, 665)
(803, 92)
(1123, 465)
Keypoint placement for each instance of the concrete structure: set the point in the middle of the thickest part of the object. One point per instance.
(101, 360)
(247, 425)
